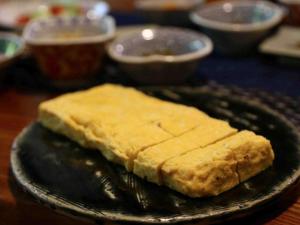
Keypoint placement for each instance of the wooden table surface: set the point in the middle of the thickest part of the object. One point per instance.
(17, 109)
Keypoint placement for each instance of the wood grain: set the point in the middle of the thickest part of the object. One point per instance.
(17, 109)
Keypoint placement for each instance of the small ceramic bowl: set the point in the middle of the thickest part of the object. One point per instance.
(293, 6)
(11, 47)
(237, 26)
(69, 48)
(167, 12)
(15, 15)
(161, 55)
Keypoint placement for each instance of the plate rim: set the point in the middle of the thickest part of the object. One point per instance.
(83, 212)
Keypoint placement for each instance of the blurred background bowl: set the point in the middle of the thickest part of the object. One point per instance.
(69, 48)
(293, 6)
(11, 47)
(15, 14)
(161, 55)
(236, 27)
(167, 12)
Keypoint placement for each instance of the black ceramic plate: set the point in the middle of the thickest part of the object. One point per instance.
(81, 182)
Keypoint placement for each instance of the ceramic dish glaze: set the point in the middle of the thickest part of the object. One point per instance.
(80, 182)
(237, 26)
(285, 43)
(167, 12)
(293, 6)
(69, 48)
(11, 47)
(15, 14)
(160, 55)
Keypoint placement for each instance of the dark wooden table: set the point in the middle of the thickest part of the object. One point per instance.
(17, 109)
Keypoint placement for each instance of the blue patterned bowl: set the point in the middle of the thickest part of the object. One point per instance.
(237, 26)
(162, 55)
(11, 47)
(167, 12)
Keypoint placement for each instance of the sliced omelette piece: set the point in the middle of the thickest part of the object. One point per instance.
(118, 137)
(107, 95)
(254, 155)
(123, 142)
(175, 119)
(79, 124)
(148, 163)
(136, 140)
(115, 112)
(219, 167)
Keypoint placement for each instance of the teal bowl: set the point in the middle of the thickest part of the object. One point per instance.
(11, 47)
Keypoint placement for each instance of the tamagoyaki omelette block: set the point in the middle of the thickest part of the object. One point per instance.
(118, 121)
(171, 144)
(218, 167)
(118, 138)
(117, 100)
(148, 163)
(173, 118)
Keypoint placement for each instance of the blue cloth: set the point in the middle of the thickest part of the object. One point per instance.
(253, 71)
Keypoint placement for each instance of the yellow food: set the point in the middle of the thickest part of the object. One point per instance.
(118, 121)
(148, 163)
(218, 167)
(166, 143)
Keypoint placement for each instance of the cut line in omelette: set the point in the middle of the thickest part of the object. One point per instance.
(218, 167)
(149, 162)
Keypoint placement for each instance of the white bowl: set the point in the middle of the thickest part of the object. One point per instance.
(45, 31)
(293, 6)
(11, 47)
(59, 44)
(167, 12)
(237, 26)
(160, 55)
(12, 12)
(167, 4)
